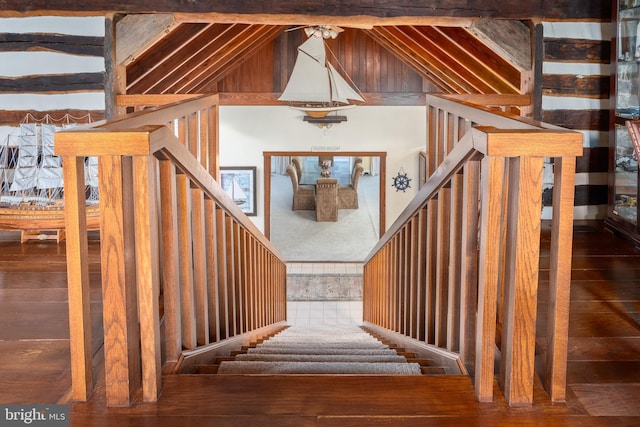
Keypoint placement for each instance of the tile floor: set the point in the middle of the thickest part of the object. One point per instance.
(324, 313)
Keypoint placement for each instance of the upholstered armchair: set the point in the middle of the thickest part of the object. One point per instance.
(304, 196)
(348, 194)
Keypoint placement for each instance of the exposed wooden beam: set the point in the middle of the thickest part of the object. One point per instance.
(136, 33)
(60, 43)
(269, 98)
(559, 9)
(241, 52)
(491, 59)
(50, 83)
(155, 64)
(424, 62)
(511, 39)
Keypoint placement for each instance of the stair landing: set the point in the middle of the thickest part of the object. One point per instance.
(236, 400)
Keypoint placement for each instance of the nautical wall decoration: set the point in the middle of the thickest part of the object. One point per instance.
(401, 181)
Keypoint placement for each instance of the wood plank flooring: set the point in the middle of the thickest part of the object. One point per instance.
(603, 369)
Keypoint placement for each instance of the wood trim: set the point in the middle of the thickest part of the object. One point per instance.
(353, 11)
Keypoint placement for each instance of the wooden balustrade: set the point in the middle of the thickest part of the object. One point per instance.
(182, 266)
(458, 270)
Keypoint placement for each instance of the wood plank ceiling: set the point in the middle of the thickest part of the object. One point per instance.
(190, 58)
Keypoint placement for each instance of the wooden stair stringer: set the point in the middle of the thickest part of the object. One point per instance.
(441, 362)
(190, 360)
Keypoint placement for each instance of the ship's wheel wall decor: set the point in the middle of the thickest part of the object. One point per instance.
(401, 181)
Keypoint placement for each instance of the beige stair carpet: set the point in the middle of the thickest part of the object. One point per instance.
(320, 351)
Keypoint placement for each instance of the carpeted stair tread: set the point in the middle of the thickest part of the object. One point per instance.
(267, 357)
(363, 346)
(317, 368)
(320, 351)
(308, 350)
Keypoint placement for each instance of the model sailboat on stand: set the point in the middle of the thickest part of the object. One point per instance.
(31, 182)
(315, 86)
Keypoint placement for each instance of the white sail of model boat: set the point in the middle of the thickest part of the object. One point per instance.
(50, 173)
(235, 191)
(37, 171)
(315, 86)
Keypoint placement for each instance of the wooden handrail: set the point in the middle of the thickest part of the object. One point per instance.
(460, 264)
(173, 244)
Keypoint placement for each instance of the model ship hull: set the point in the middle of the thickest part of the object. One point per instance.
(39, 218)
(320, 112)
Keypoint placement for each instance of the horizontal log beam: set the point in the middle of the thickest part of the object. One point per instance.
(577, 50)
(74, 45)
(268, 98)
(561, 9)
(596, 87)
(80, 82)
(597, 120)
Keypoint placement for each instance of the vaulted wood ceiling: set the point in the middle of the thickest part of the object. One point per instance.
(188, 58)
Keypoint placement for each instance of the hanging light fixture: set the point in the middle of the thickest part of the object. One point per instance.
(324, 31)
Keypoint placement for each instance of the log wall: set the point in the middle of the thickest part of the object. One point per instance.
(51, 66)
(575, 95)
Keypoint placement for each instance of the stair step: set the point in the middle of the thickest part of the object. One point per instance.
(322, 351)
(269, 357)
(318, 368)
(360, 351)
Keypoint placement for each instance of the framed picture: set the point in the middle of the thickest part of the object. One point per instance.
(240, 184)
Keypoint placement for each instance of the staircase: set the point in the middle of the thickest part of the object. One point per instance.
(344, 350)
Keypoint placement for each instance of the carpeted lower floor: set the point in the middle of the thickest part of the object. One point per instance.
(299, 237)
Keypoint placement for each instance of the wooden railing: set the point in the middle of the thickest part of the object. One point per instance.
(183, 269)
(458, 270)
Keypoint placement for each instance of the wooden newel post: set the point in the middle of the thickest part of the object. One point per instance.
(521, 279)
(119, 289)
(78, 279)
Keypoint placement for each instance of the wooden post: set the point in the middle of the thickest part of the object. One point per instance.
(121, 331)
(78, 279)
(185, 245)
(200, 267)
(521, 279)
(560, 278)
(489, 272)
(469, 261)
(148, 275)
(170, 263)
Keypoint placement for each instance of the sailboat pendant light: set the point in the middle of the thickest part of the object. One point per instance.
(315, 86)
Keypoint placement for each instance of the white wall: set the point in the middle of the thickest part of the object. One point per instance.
(245, 132)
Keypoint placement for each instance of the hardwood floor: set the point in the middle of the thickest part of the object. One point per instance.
(603, 368)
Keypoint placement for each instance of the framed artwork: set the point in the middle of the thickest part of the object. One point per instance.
(239, 182)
